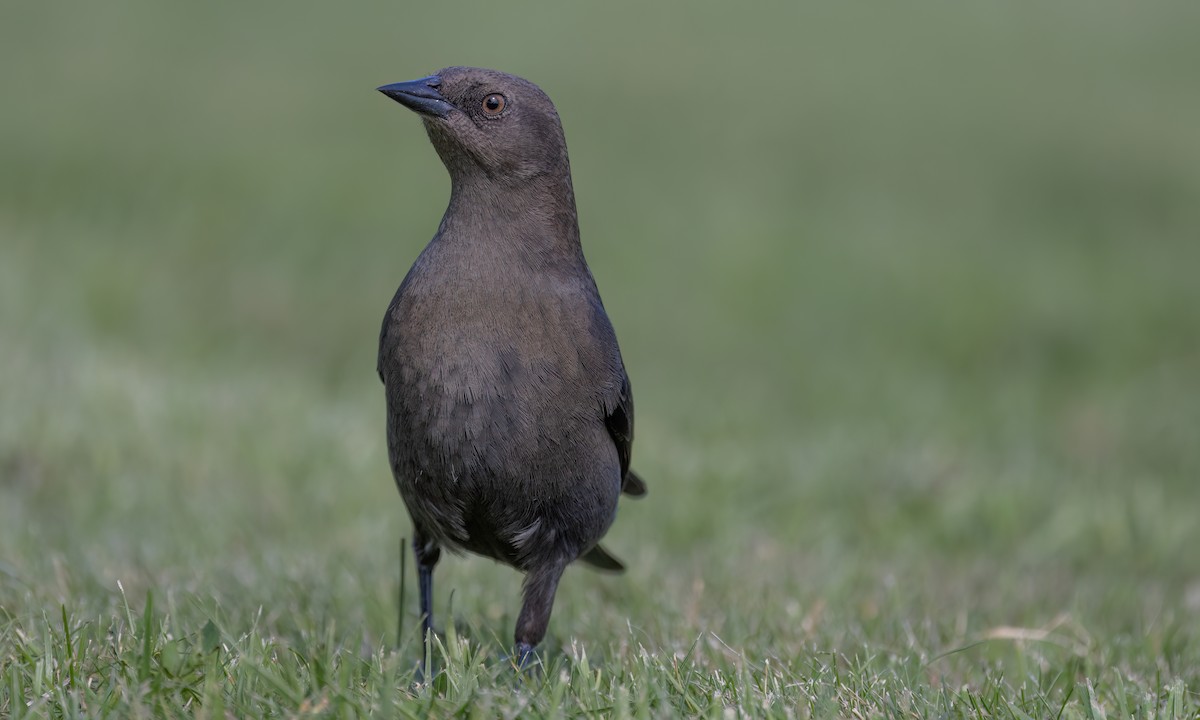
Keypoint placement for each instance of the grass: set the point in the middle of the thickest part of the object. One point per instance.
(907, 295)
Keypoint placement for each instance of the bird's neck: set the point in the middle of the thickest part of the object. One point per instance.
(537, 217)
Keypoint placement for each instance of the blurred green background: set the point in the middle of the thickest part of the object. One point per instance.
(908, 294)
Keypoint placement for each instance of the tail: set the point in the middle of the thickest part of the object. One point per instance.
(632, 485)
(599, 559)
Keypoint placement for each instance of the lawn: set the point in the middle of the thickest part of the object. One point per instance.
(908, 294)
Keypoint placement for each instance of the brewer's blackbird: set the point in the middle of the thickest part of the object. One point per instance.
(509, 412)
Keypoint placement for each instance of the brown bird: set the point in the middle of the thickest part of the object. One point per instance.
(509, 412)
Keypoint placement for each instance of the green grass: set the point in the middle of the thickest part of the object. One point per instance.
(908, 295)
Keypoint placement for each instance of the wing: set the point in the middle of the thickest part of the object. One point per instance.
(620, 426)
(385, 346)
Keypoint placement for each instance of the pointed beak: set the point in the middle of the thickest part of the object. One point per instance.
(420, 96)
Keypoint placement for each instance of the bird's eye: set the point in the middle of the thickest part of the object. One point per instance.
(493, 104)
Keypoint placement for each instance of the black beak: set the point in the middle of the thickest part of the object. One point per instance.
(420, 96)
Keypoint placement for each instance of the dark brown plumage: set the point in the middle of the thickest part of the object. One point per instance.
(509, 412)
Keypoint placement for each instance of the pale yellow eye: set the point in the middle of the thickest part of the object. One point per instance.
(493, 104)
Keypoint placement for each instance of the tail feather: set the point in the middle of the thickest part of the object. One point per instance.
(600, 559)
(632, 485)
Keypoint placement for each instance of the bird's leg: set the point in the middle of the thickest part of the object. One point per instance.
(427, 554)
(540, 585)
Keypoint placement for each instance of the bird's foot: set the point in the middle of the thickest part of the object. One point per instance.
(524, 658)
(420, 674)
(426, 666)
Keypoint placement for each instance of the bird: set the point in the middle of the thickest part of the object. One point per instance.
(509, 409)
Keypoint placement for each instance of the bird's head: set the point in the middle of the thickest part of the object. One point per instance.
(487, 122)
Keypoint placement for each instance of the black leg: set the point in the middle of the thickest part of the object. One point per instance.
(425, 581)
(540, 585)
(427, 554)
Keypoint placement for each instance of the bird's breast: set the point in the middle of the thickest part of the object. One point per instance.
(493, 375)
